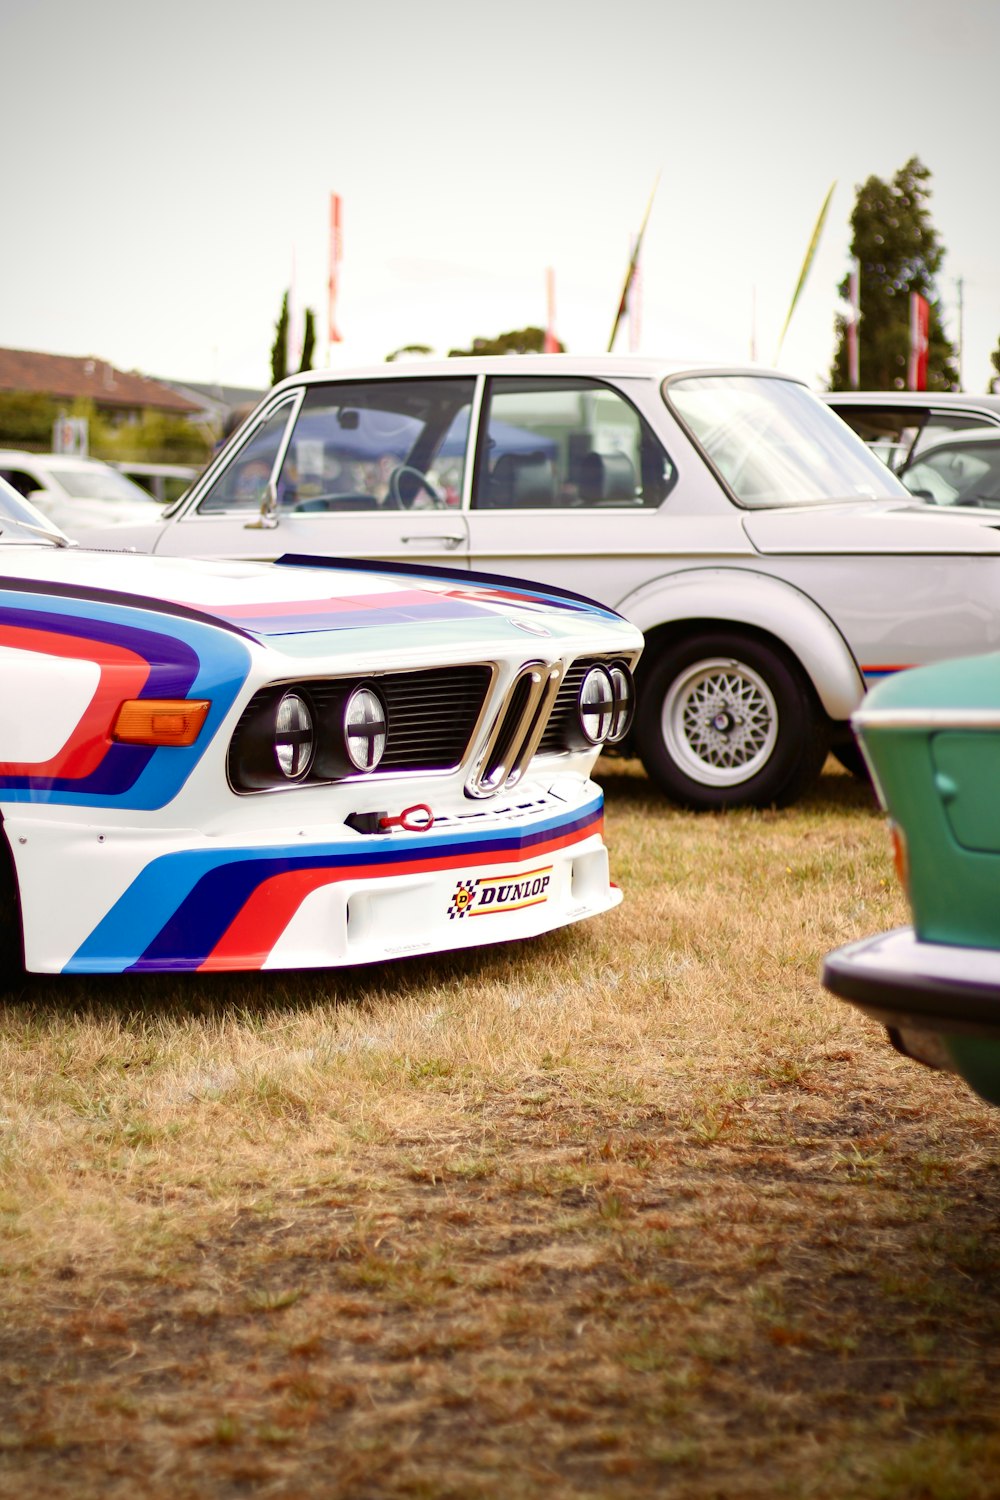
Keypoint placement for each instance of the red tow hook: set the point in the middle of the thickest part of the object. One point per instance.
(415, 819)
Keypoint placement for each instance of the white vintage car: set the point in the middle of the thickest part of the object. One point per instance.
(775, 566)
(233, 766)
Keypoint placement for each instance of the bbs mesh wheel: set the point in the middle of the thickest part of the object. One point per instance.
(725, 720)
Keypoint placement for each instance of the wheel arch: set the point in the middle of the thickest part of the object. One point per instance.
(768, 609)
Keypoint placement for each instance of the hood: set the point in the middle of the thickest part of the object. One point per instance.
(296, 608)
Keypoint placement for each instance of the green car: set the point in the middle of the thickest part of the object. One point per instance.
(932, 741)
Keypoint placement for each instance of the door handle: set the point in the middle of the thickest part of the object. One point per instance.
(446, 539)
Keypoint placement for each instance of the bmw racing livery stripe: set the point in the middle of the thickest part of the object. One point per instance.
(485, 588)
(134, 660)
(226, 909)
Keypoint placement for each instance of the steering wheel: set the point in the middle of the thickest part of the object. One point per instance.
(395, 496)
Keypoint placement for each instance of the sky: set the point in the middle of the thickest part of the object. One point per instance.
(167, 171)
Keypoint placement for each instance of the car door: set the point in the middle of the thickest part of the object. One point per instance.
(569, 487)
(340, 468)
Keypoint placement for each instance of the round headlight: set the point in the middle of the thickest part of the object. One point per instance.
(623, 701)
(364, 728)
(595, 706)
(294, 739)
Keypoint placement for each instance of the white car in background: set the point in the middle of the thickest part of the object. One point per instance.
(898, 425)
(774, 565)
(165, 482)
(76, 493)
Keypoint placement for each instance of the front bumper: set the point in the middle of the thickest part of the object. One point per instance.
(941, 1002)
(133, 900)
(903, 982)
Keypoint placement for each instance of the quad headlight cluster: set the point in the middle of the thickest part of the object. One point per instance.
(604, 706)
(329, 730)
(285, 738)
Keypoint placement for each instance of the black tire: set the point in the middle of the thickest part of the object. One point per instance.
(11, 947)
(726, 721)
(850, 757)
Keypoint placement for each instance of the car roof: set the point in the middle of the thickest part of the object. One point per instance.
(609, 366)
(921, 399)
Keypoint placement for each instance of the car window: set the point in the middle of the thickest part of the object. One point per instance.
(567, 443)
(242, 485)
(773, 442)
(957, 476)
(896, 434)
(98, 482)
(889, 431)
(21, 481)
(939, 424)
(378, 445)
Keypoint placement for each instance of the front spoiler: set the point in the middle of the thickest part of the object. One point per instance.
(147, 900)
(908, 984)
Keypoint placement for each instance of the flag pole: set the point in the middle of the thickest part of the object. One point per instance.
(806, 266)
(633, 263)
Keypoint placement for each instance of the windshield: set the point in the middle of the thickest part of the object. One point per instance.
(774, 443)
(21, 522)
(959, 474)
(99, 483)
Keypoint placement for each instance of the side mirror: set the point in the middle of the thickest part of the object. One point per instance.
(268, 518)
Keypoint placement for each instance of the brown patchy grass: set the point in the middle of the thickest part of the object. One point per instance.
(632, 1210)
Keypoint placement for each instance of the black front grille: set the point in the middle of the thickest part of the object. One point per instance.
(564, 708)
(431, 715)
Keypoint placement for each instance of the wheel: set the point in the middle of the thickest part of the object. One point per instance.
(727, 721)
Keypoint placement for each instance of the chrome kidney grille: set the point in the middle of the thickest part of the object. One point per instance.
(516, 731)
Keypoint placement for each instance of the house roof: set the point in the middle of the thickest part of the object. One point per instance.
(72, 377)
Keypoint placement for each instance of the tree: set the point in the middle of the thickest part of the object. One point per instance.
(408, 349)
(308, 341)
(520, 341)
(995, 362)
(279, 349)
(26, 419)
(898, 251)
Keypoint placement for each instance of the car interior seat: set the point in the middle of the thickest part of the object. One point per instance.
(607, 478)
(522, 479)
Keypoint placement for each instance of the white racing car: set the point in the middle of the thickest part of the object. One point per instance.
(244, 766)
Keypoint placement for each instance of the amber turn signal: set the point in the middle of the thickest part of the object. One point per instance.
(160, 721)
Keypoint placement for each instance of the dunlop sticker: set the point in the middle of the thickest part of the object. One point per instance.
(491, 895)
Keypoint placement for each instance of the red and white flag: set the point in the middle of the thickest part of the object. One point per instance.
(336, 246)
(853, 327)
(920, 324)
(551, 344)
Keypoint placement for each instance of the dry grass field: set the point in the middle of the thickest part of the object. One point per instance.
(633, 1210)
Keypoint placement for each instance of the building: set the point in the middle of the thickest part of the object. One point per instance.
(120, 396)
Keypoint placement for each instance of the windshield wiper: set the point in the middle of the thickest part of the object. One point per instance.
(42, 531)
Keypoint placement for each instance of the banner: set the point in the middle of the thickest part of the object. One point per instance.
(920, 324)
(854, 327)
(806, 266)
(633, 266)
(551, 344)
(635, 309)
(335, 254)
